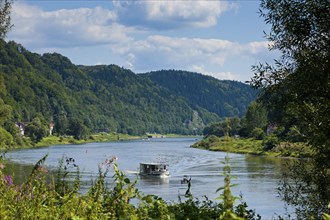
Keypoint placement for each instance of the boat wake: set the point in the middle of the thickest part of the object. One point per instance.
(131, 172)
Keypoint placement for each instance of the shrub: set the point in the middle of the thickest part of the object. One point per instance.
(258, 134)
(6, 139)
(294, 135)
(213, 138)
(270, 142)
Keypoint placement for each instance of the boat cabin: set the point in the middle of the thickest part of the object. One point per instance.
(154, 169)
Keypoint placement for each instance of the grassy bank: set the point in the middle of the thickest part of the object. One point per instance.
(100, 137)
(253, 146)
(25, 142)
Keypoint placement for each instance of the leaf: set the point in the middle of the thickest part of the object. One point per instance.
(126, 180)
(220, 188)
(148, 198)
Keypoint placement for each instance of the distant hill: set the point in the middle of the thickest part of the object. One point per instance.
(223, 97)
(111, 98)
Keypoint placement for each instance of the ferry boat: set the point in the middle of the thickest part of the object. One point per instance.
(154, 170)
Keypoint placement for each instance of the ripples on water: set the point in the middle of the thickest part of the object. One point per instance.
(257, 177)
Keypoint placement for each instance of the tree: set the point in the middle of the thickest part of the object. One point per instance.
(77, 129)
(255, 117)
(299, 82)
(5, 21)
(36, 130)
(231, 126)
(228, 127)
(5, 112)
(258, 133)
(297, 86)
(214, 129)
(61, 123)
(6, 139)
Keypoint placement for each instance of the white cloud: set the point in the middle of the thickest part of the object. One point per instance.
(171, 14)
(218, 75)
(92, 35)
(257, 47)
(206, 56)
(66, 27)
(215, 51)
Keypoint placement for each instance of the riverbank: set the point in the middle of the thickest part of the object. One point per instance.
(100, 137)
(254, 147)
(60, 140)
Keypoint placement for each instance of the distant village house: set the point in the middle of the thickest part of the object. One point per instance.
(271, 128)
(21, 127)
(51, 127)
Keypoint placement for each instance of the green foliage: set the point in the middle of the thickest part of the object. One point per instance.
(228, 127)
(77, 129)
(5, 112)
(296, 149)
(255, 117)
(225, 98)
(6, 139)
(229, 144)
(296, 91)
(61, 123)
(269, 146)
(214, 129)
(36, 130)
(66, 171)
(226, 195)
(258, 134)
(5, 20)
(270, 142)
(298, 189)
(294, 134)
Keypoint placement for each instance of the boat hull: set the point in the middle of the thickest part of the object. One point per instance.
(156, 175)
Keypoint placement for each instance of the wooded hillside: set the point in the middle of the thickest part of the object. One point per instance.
(110, 98)
(224, 97)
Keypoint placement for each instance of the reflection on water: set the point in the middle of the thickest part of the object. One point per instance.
(257, 177)
(153, 181)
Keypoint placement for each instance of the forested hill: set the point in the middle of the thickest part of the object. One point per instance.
(40, 88)
(223, 97)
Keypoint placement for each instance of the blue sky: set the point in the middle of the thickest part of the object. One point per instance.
(218, 38)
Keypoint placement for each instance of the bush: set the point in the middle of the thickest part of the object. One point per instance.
(294, 135)
(258, 134)
(6, 139)
(213, 138)
(270, 142)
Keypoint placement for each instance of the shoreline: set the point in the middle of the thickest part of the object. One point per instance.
(93, 138)
(254, 147)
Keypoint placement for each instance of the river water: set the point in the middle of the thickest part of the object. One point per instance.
(257, 177)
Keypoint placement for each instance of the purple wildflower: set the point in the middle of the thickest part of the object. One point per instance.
(8, 179)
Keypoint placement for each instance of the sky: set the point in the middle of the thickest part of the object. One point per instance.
(222, 38)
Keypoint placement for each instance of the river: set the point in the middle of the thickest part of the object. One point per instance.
(257, 177)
